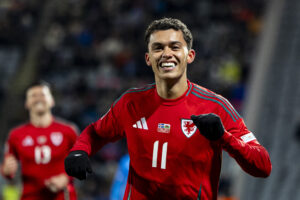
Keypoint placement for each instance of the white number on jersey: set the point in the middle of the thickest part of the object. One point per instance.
(42, 154)
(163, 155)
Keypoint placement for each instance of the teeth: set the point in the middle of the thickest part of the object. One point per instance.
(168, 65)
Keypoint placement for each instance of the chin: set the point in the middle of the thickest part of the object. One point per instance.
(39, 111)
(169, 76)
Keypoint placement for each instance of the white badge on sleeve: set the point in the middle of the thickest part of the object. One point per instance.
(248, 137)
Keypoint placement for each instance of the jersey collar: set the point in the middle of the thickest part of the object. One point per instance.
(170, 102)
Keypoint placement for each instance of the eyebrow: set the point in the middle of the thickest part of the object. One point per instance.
(161, 44)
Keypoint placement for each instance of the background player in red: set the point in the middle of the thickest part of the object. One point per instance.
(175, 129)
(41, 147)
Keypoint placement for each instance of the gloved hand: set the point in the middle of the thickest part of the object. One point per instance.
(77, 164)
(209, 125)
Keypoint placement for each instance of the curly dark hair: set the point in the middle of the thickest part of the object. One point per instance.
(169, 23)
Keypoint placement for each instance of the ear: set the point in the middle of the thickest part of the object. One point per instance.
(52, 102)
(191, 56)
(26, 105)
(147, 59)
(51, 99)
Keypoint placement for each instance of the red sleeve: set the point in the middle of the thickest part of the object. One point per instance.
(10, 144)
(252, 157)
(9, 149)
(72, 135)
(107, 129)
(242, 145)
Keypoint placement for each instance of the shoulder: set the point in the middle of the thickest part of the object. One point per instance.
(65, 124)
(135, 93)
(18, 130)
(216, 100)
(206, 94)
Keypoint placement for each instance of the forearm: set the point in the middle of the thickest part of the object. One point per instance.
(88, 141)
(94, 137)
(252, 157)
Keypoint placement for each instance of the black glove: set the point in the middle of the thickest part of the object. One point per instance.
(209, 125)
(77, 164)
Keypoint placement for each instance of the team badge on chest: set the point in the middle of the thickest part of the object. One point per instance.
(56, 138)
(41, 139)
(188, 127)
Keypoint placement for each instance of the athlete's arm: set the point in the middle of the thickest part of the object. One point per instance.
(77, 163)
(251, 156)
(88, 140)
(9, 166)
(109, 128)
(106, 129)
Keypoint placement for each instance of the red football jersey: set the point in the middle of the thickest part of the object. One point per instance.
(41, 152)
(169, 158)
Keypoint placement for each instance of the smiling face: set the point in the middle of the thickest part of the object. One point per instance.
(168, 54)
(39, 100)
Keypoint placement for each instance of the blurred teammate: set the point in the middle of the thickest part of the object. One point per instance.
(176, 130)
(40, 146)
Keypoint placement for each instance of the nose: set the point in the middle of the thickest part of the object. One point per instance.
(167, 53)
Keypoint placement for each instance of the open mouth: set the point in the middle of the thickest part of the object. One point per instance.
(39, 104)
(167, 65)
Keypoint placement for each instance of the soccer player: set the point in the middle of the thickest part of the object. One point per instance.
(175, 129)
(40, 146)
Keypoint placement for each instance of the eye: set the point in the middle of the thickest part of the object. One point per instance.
(176, 47)
(157, 48)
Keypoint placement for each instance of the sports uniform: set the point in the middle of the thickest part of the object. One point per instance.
(169, 158)
(41, 152)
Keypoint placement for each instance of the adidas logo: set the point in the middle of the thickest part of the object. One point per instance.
(141, 124)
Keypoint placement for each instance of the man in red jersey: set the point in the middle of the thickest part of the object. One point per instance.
(175, 129)
(41, 147)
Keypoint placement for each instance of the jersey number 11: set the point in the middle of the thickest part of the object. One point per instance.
(163, 155)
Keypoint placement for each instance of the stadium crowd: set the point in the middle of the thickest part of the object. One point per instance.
(93, 51)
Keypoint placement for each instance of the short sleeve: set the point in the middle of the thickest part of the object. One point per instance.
(10, 146)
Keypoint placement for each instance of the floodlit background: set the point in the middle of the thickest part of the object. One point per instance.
(91, 51)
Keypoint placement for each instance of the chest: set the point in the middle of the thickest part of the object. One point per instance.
(166, 129)
(41, 146)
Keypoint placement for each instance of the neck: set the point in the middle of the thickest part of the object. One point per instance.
(41, 120)
(171, 89)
